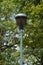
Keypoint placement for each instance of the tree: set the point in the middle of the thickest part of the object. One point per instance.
(32, 35)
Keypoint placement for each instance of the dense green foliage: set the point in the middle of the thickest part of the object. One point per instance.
(32, 34)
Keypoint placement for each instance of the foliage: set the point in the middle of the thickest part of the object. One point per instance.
(32, 34)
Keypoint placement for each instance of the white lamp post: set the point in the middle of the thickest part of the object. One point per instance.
(21, 22)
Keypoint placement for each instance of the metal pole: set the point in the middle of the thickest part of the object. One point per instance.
(21, 47)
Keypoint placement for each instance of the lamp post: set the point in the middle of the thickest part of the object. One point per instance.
(21, 22)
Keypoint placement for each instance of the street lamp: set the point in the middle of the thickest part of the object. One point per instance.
(21, 22)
